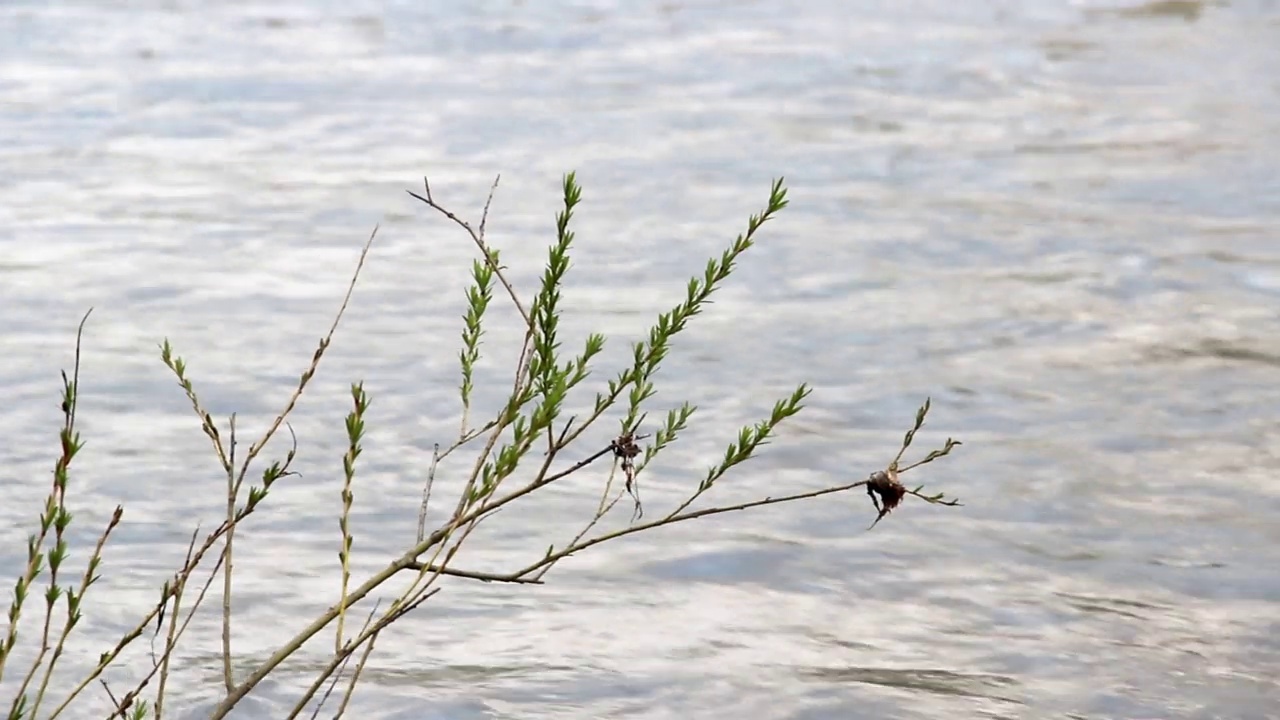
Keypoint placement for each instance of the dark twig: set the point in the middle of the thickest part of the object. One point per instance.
(577, 466)
(479, 240)
(120, 709)
(469, 574)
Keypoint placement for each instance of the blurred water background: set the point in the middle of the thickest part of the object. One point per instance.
(1057, 219)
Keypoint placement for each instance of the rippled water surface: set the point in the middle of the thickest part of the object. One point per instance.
(1057, 219)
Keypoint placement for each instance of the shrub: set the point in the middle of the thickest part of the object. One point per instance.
(506, 469)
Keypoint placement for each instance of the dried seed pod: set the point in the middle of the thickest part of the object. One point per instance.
(884, 483)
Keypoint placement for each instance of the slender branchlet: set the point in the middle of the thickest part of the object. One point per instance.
(359, 671)
(521, 393)
(648, 355)
(310, 372)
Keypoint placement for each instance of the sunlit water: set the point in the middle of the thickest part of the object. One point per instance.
(1057, 219)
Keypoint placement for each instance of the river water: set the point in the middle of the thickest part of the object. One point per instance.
(1056, 219)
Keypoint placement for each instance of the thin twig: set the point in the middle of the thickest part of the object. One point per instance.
(120, 709)
(508, 413)
(315, 359)
(227, 526)
(575, 467)
(341, 669)
(471, 435)
(426, 491)
(76, 370)
(606, 506)
(480, 243)
(693, 515)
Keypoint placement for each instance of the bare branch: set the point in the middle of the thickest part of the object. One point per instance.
(478, 238)
(315, 359)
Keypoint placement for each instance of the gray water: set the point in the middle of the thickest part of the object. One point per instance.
(1057, 219)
